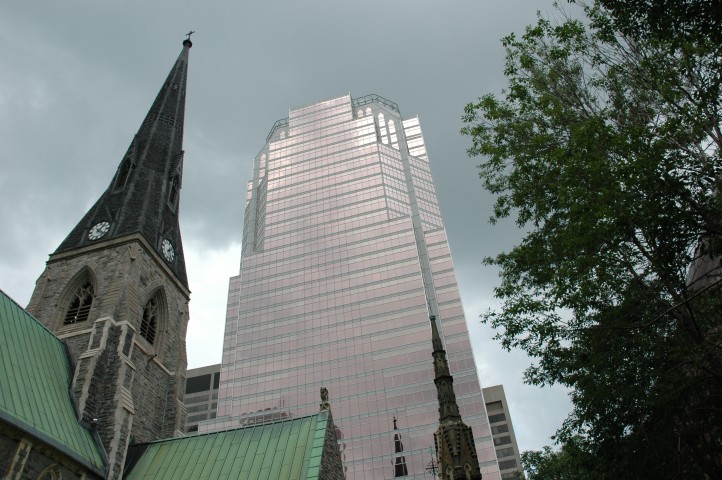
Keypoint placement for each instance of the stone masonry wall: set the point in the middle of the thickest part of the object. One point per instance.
(125, 275)
(8, 445)
(23, 456)
(119, 375)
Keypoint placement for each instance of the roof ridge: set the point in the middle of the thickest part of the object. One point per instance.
(239, 427)
(65, 431)
(41, 324)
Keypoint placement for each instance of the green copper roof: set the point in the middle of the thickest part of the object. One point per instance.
(287, 449)
(35, 379)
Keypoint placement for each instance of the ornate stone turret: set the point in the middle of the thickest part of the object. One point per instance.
(454, 440)
(116, 291)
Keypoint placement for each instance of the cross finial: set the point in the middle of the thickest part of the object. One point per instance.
(187, 42)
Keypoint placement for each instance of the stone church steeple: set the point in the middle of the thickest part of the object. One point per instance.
(455, 448)
(143, 196)
(116, 289)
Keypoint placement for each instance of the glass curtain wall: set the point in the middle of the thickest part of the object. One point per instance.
(344, 258)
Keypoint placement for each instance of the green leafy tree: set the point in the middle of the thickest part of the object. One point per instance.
(675, 21)
(605, 148)
(571, 462)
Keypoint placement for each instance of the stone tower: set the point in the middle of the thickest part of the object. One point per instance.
(116, 289)
(454, 440)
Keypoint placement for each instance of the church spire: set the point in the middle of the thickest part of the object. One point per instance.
(455, 448)
(448, 408)
(143, 196)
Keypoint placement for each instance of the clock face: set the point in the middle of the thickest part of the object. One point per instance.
(98, 231)
(167, 248)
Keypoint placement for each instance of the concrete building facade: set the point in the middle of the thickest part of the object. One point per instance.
(502, 430)
(201, 395)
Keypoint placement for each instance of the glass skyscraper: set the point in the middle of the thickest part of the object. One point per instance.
(344, 258)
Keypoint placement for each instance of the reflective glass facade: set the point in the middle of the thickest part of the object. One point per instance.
(344, 258)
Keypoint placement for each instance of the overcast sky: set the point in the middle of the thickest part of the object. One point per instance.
(77, 78)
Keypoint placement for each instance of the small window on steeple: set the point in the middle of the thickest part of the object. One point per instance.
(149, 324)
(173, 194)
(79, 307)
(123, 173)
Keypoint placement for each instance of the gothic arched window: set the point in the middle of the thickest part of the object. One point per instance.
(123, 174)
(149, 324)
(50, 473)
(173, 194)
(80, 304)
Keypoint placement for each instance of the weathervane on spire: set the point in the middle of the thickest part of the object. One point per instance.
(190, 33)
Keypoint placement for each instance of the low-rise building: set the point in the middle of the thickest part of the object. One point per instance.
(502, 432)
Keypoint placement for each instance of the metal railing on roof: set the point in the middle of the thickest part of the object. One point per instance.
(357, 102)
(279, 124)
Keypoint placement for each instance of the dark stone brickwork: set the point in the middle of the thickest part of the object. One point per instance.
(23, 456)
(331, 463)
(127, 387)
(38, 462)
(82, 371)
(76, 344)
(116, 469)
(153, 389)
(128, 343)
(9, 440)
(133, 389)
(456, 451)
(139, 200)
(100, 400)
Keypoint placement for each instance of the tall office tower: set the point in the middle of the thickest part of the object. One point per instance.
(344, 258)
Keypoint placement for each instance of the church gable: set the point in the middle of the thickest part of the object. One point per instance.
(34, 393)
